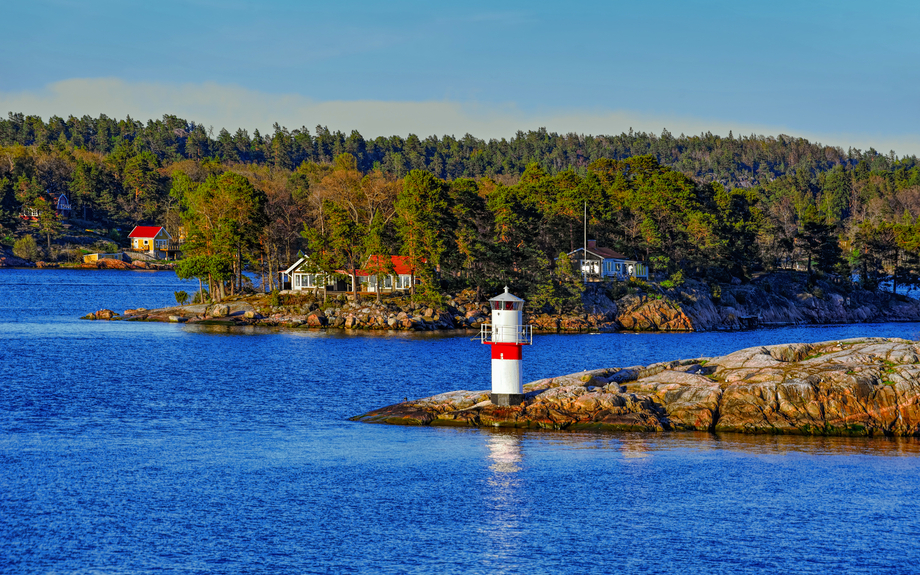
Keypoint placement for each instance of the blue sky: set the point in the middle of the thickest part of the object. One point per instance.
(844, 73)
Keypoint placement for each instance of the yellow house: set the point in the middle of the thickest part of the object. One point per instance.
(153, 239)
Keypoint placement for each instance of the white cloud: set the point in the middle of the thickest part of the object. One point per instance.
(234, 107)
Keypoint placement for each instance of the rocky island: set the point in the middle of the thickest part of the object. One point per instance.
(779, 298)
(866, 386)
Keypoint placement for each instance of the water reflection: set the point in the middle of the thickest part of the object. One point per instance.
(636, 449)
(815, 445)
(640, 445)
(505, 455)
(504, 502)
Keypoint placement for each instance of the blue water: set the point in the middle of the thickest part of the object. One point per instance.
(143, 447)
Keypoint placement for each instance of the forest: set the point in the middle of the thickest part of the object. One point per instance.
(469, 212)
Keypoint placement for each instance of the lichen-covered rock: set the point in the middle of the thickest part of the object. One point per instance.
(113, 264)
(105, 314)
(647, 314)
(317, 319)
(867, 386)
(219, 310)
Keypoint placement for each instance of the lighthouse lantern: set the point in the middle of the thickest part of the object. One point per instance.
(506, 336)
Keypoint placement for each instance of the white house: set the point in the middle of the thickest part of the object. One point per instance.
(61, 207)
(304, 275)
(397, 276)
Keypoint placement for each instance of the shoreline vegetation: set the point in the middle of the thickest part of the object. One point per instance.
(854, 387)
(780, 298)
(467, 213)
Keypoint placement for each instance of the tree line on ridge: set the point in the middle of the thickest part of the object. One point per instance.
(482, 213)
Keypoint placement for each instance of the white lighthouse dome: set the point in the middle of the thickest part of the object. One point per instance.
(506, 317)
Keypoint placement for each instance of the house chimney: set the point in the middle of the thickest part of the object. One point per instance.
(592, 244)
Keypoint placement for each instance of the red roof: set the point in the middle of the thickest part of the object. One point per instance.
(376, 265)
(145, 231)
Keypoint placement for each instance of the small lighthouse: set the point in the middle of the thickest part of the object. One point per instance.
(506, 336)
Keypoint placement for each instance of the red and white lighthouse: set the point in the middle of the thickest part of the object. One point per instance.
(507, 337)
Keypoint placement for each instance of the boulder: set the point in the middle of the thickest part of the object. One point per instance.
(113, 264)
(317, 319)
(250, 314)
(219, 310)
(641, 313)
(105, 314)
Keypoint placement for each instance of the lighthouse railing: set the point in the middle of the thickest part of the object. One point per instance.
(519, 334)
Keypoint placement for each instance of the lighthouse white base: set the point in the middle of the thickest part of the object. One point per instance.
(506, 376)
(507, 389)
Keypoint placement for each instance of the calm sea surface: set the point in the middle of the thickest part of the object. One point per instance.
(160, 448)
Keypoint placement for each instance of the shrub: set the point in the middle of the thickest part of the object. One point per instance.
(26, 248)
(676, 279)
(70, 255)
(104, 247)
(716, 291)
(181, 297)
(275, 299)
(201, 296)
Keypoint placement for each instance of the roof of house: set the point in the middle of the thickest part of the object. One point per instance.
(296, 264)
(603, 253)
(373, 266)
(376, 265)
(303, 265)
(146, 231)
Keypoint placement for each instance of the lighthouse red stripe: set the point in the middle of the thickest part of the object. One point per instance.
(506, 351)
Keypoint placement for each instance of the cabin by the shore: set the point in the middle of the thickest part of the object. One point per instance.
(61, 207)
(375, 275)
(304, 275)
(597, 264)
(386, 274)
(155, 241)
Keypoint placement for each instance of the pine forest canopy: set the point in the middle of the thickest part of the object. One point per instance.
(485, 212)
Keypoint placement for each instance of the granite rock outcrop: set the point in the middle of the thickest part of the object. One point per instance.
(866, 386)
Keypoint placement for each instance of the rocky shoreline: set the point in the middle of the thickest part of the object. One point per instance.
(253, 311)
(856, 387)
(779, 298)
(775, 299)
